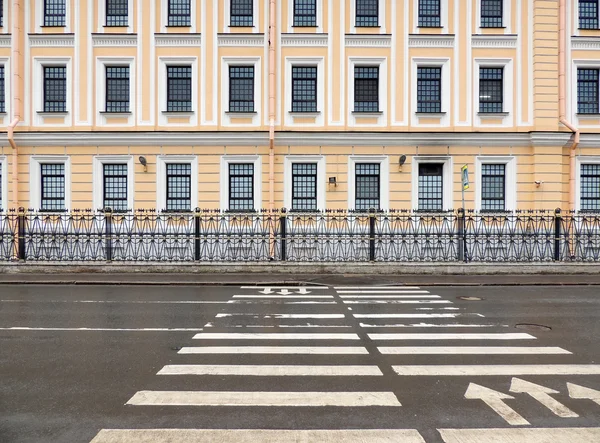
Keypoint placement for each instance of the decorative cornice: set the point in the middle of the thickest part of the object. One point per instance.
(494, 41)
(257, 40)
(585, 43)
(111, 40)
(589, 141)
(320, 40)
(5, 41)
(430, 41)
(368, 40)
(178, 39)
(51, 40)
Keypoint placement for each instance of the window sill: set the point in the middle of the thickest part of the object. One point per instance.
(241, 114)
(367, 26)
(304, 114)
(588, 29)
(429, 27)
(53, 211)
(367, 114)
(53, 26)
(178, 26)
(178, 113)
(430, 114)
(52, 114)
(305, 26)
(492, 114)
(493, 27)
(115, 114)
(585, 115)
(241, 26)
(117, 26)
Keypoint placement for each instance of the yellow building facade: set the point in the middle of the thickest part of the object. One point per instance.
(300, 104)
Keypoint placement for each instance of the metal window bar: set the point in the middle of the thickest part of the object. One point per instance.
(304, 187)
(117, 12)
(492, 13)
(493, 187)
(588, 14)
(117, 89)
(304, 89)
(55, 12)
(179, 88)
(2, 89)
(590, 187)
(587, 91)
(241, 13)
(366, 89)
(1, 13)
(429, 13)
(429, 90)
(491, 90)
(115, 187)
(55, 89)
(305, 13)
(431, 186)
(52, 184)
(179, 187)
(241, 89)
(367, 13)
(241, 187)
(2, 208)
(180, 13)
(367, 187)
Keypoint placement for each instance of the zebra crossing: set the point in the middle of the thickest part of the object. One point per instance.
(277, 343)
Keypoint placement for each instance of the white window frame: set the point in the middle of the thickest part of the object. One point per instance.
(382, 115)
(447, 181)
(38, 90)
(4, 119)
(163, 116)
(35, 178)
(384, 179)
(227, 17)
(102, 17)
(226, 116)
(319, 62)
(292, 29)
(582, 160)
(101, 64)
(161, 179)
(510, 180)
(380, 20)
(436, 62)
(4, 205)
(576, 29)
(287, 177)
(507, 114)
(6, 20)
(226, 160)
(164, 23)
(98, 178)
(584, 119)
(506, 17)
(39, 19)
(443, 18)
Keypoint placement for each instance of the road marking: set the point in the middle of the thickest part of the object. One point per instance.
(272, 370)
(480, 370)
(409, 315)
(542, 395)
(381, 297)
(304, 325)
(24, 328)
(270, 303)
(256, 435)
(453, 336)
(401, 302)
(494, 400)
(263, 398)
(430, 325)
(581, 392)
(375, 287)
(467, 350)
(144, 302)
(283, 296)
(281, 316)
(316, 350)
(365, 291)
(521, 435)
(291, 288)
(274, 336)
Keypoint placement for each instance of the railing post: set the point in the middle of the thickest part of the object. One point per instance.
(197, 234)
(557, 233)
(108, 233)
(462, 241)
(283, 232)
(22, 254)
(371, 235)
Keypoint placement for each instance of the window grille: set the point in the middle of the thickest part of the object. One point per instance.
(241, 186)
(115, 187)
(241, 89)
(241, 13)
(367, 13)
(304, 89)
(304, 187)
(590, 187)
(1, 12)
(366, 89)
(493, 187)
(305, 12)
(53, 187)
(179, 88)
(367, 189)
(179, 186)
(491, 13)
(180, 13)
(491, 89)
(429, 13)
(587, 91)
(429, 90)
(117, 12)
(2, 90)
(431, 186)
(55, 12)
(2, 208)
(55, 89)
(588, 14)
(117, 89)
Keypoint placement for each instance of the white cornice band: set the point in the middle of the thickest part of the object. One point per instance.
(368, 41)
(494, 41)
(237, 40)
(304, 40)
(114, 40)
(585, 43)
(177, 40)
(51, 40)
(430, 41)
(5, 41)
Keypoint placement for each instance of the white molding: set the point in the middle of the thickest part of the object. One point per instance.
(4, 202)
(6, 21)
(287, 177)
(35, 178)
(305, 40)
(290, 62)
(585, 43)
(494, 41)
(164, 14)
(161, 179)
(368, 41)
(98, 178)
(227, 16)
(39, 17)
(384, 179)
(245, 40)
(51, 40)
(506, 17)
(226, 62)
(381, 20)
(224, 178)
(101, 64)
(431, 41)
(5, 41)
(447, 179)
(444, 17)
(579, 160)
(38, 90)
(438, 62)
(508, 90)
(177, 40)
(381, 62)
(290, 17)
(8, 92)
(577, 64)
(102, 16)
(114, 40)
(163, 63)
(510, 179)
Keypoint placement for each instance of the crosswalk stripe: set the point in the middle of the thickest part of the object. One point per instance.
(521, 435)
(317, 350)
(263, 398)
(380, 297)
(374, 287)
(447, 350)
(479, 370)
(291, 288)
(283, 296)
(453, 336)
(394, 291)
(400, 302)
(271, 370)
(280, 316)
(275, 336)
(408, 315)
(430, 325)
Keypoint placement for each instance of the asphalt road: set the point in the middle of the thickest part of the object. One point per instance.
(76, 360)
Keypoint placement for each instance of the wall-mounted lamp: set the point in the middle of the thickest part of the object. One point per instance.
(143, 162)
(401, 162)
(333, 181)
(538, 183)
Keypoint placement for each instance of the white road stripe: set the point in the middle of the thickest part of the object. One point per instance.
(381, 297)
(143, 302)
(265, 302)
(275, 336)
(395, 291)
(23, 328)
(480, 370)
(263, 398)
(291, 288)
(452, 336)
(408, 315)
(281, 315)
(257, 436)
(430, 325)
(272, 370)
(521, 435)
(400, 302)
(304, 325)
(316, 350)
(283, 296)
(467, 350)
(375, 287)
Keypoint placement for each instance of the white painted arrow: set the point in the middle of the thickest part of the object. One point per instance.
(303, 291)
(579, 392)
(284, 292)
(266, 291)
(494, 400)
(542, 394)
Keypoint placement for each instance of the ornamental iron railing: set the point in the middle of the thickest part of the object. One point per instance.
(330, 236)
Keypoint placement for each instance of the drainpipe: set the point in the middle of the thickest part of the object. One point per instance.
(272, 86)
(562, 87)
(16, 94)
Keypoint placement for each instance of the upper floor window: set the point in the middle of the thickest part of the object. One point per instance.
(1, 12)
(367, 186)
(241, 13)
(117, 12)
(179, 186)
(429, 90)
(179, 13)
(55, 89)
(179, 88)
(304, 89)
(2, 91)
(241, 186)
(493, 187)
(491, 90)
(117, 89)
(2, 208)
(587, 91)
(52, 178)
(431, 187)
(55, 12)
(588, 14)
(590, 187)
(429, 13)
(367, 13)
(366, 89)
(305, 12)
(241, 89)
(304, 186)
(115, 187)
(491, 13)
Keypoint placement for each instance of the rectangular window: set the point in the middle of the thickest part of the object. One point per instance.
(491, 13)
(493, 187)
(180, 13)
(429, 90)
(431, 186)
(429, 13)
(117, 89)
(590, 187)
(588, 14)
(2, 91)
(52, 177)
(367, 13)
(367, 186)
(241, 89)
(115, 186)
(366, 89)
(491, 90)
(241, 186)
(179, 88)
(117, 12)
(304, 89)
(179, 186)
(587, 91)
(304, 187)
(2, 208)
(55, 89)
(241, 13)
(305, 13)
(1, 12)
(55, 12)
